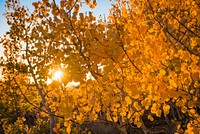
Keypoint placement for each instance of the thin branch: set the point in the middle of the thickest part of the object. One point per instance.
(122, 46)
(185, 46)
(18, 86)
(183, 25)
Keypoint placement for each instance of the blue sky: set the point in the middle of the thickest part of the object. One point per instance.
(101, 8)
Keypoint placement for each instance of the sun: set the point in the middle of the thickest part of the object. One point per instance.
(57, 75)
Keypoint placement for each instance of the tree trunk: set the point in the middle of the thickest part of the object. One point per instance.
(52, 123)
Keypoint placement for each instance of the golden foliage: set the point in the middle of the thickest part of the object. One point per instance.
(144, 59)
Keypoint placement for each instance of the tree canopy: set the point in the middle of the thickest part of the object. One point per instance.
(139, 65)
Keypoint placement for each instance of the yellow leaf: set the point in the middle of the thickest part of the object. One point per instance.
(191, 104)
(128, 100)
(124, 12)
(184, 109)
(193, 42)
(166, 109)
(158, 113)
(172, 83)
(91, 117)
(68, 129)
(154, 108)
(189, 129)
(108, 117)
(149, 88)
(117, 105)
(57, 126)
(115, 118)
(162, 72)
(136, 106)
(150, 118)
(192, 112)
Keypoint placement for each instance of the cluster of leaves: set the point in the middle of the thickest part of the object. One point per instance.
(143, 61)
